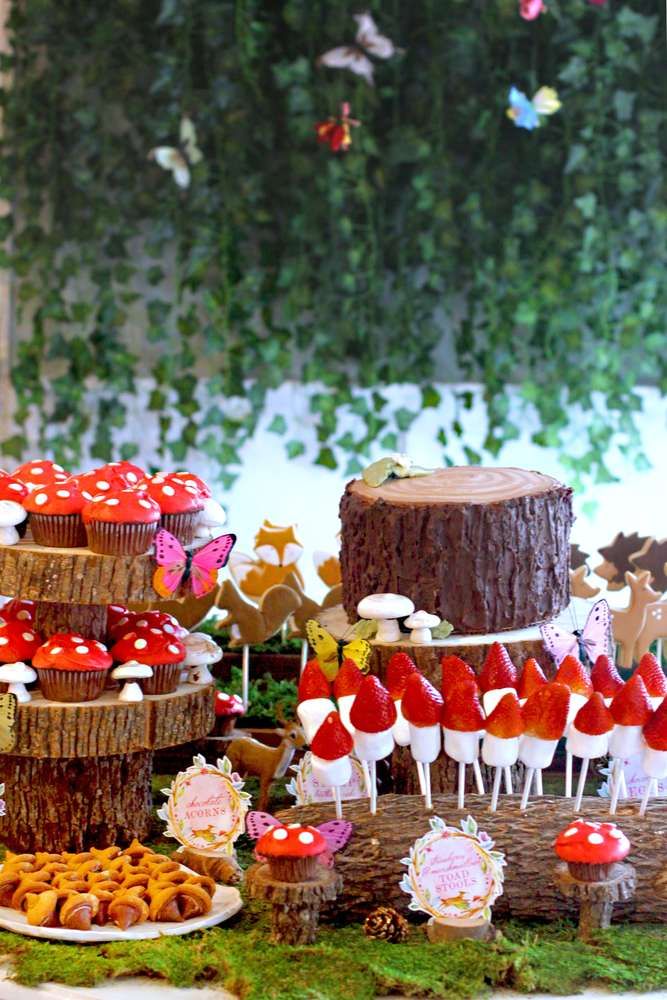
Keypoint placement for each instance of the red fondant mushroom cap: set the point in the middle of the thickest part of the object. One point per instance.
(18, 641)
(148, 645)
(123, 507)
(190, 479)
(12, 488)
(291, 841)
(160, 619)
(590, 843)
(101, 482)
(172, 495)
(55, 499)
(114, 614)
(40, 473)
(131, 473)
(18, 610)
(70, 651)
(228, 704)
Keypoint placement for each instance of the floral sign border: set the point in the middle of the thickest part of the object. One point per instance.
(463, 905)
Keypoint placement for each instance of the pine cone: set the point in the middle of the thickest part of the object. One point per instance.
(386, 924)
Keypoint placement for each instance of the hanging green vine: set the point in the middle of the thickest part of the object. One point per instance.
(538, 258)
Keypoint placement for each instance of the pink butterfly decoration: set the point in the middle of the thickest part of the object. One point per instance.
(177, 566)
(587, 643)
(336, 832)
(531, 9)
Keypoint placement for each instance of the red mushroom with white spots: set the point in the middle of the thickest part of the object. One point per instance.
(292, 851)
(40, 472)
(590, 848)
(160, 650)
(18, 641)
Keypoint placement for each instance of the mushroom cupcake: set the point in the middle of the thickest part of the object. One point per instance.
(122, 524)
(228, 708)
(180, 505)
(157, 649)
(41, 472)
(591, 849)
(71, 668)
(55, 515)
(18, 641)
(292, 851)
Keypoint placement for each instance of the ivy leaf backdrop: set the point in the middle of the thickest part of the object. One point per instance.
(544, 251)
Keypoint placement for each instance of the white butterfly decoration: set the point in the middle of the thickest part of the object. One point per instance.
(179, 159)
(368, 42)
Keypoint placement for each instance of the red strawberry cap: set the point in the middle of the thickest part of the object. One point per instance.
(399, 668)
(655, 730)
(348, 679)
(506, 720)
(631, 707)
(605, 677)
(422, 703)
(463, 710)
(545, 711)
(652, 675)
(373, 710)
(313, 683)
(594, 718)
(572, 674)
(453, 671)
(532, 678)
(498, 670)
(332, 740)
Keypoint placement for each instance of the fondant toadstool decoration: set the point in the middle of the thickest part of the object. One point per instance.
(131, 672)
(200, 652)
(16, 676)
(420, 623)
(386, 609)
(11, 515)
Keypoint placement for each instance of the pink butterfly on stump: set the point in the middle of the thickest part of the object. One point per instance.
(336, 832)
(587, 643)
(177, 566)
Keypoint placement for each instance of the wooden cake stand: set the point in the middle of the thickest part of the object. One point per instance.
(80, 774)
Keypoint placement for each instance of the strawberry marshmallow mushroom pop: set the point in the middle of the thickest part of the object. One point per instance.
(532, 678)
(497, 676)
(330, 756)
(606, 678)
(545, 719)
(463, 726)
(500, 746)
(314, 699)
(399, 669)
(654, 758)
(373, 716)
(631, 710)
(346, 684)
(422, 707)
(654, 679)
(572, 674)
(588, 737)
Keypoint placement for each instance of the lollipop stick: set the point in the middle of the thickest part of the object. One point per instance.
(374, 788)
(624, 784)
(581, 785)
(646, 796)
(526, 788)
(420, 777)
(367, 777)
(616, 786)
(304, 653)
(568, 775)
(539, 788)
(337, 800)
(496, 788)
(427, 782)
(245, 676)
(479, 780)
(507, 771)
(462, 784)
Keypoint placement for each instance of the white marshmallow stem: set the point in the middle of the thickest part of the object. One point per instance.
(526, 788)
(337, 800)
(479, 780)
(585, 745)
(654, 762)
(535, 752)
(568, 774)
(425, 743)
(625, 741)
(374, 787)
(373, 746)
(582, 784)
(461, 746)
(401, 728)
(312, 712)
(462, 784)
(577, 701)
(497, 751)
(331, 773)
(496, 788)
(507, 771)
(651, 784)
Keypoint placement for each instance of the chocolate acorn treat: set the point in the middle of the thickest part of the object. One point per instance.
(180, 505)
(71, 668)
(121, 524)
(55, 515)
(159, 650)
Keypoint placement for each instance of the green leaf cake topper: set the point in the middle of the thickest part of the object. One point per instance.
(392, 467)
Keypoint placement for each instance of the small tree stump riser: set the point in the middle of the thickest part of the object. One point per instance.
(70, 805)
(88, 620)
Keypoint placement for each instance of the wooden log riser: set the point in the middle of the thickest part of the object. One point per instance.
(371, 868)
(72, 804)
(86, 620)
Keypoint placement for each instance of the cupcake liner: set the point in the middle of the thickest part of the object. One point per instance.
(64, 531)
(294, 869)
(165, 679)
(182, 526)
(589, 872)
(113, 539)
(71, 685)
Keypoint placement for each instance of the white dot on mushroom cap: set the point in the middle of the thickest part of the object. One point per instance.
(280, 833)
(595, 838)
(37, 471)
(58, 468)
(3, 640)
(140, 643)
(146, 503)
(56, 650)
(306, 837)
(168, 490)
(41, 499)
(102, 484)
(28, 636)
(173, 649)
(62, 493)
(293, 826)
(617, 834)
(132, 476)
(100, 645)
(23, 616)
(82, 649)
(191, 489)
(570, 832)
(77, 638)
(142, 623)
(168, 628)
(112, 502)
(15, 486)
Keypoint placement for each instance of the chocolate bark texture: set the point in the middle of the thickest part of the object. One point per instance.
(486, 549)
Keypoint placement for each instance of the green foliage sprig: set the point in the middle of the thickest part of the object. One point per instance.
(536, 259)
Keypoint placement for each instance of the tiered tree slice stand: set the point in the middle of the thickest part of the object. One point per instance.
(80, 774)
(520, 644)
(371, 865)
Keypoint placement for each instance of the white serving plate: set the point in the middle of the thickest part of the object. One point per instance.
(225, 903)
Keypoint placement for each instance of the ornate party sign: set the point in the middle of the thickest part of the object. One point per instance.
(306, 789)
(453, 874)
(206, 807)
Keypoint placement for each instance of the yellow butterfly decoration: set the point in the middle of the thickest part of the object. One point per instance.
(331, 652)
(8, 705)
